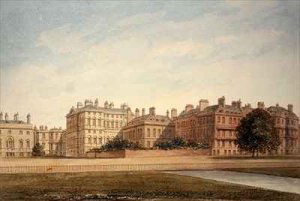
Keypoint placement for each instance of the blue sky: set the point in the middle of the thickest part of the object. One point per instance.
(161, 53)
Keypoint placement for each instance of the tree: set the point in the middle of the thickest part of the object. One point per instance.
(119, 144)
(256, 133)
(38, 150)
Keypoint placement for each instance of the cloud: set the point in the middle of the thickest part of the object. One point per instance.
(149, 59)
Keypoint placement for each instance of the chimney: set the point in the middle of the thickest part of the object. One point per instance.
(167, 113)
(106, 104)
(261, 105)
(203, 103)
(96, 102)
(152, 111)
(221, 101)
(16, 117)
(86, 102)
(173, 113)
(79, 104)
(6, 117)
(143, 111)
(239, 103)
(28, 118)
(1, 116)
(248, 105)
(189, 107)
(111, 105)
(290, 107)
(46, 128)
(234, 104)
(137, 112)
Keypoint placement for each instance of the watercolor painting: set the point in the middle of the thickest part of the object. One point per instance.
(149, 100)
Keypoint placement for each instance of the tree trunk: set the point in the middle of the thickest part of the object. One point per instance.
(253, 153)
(257, 153)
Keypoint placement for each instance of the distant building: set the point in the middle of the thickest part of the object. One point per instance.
(50, 139)
(16, 136)
(287, 126)
(147, 130)
(216, 125)
(91, 126)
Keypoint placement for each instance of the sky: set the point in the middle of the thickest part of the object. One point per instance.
(146, 53)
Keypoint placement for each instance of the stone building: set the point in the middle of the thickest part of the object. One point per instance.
(147, 130)
(16, 136)
(286, 125)
(50, 139)
(216, 125)
(91, 126)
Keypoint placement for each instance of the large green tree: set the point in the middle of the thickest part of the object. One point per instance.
(256, 133)
(38, 150)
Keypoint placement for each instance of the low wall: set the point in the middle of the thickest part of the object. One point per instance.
(148, 153)
(165, 153)
(106, 154)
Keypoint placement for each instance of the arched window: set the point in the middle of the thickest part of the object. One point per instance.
(95, 140)
(21, 144)
(90, 140)
(10, 143)
(27, 144)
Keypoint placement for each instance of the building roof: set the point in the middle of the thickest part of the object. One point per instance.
(211, 109)
(281, 111)
(12, 122)
(159, 119)
(92, 108)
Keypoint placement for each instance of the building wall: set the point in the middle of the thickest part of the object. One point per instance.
(16, 138)
(51, 140)
(147, 130)
(216, 126)
(91, 126)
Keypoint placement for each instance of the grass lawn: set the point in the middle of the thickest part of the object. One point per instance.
(249, 157)
(284, 172)
(150, 184)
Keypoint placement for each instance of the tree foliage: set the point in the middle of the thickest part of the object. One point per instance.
(179, 143)
(256, 133)
(119, 144)
(38, 150)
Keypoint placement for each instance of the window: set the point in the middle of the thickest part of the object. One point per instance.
(51, 136)
(148, 143)
(21, 144)
(154, 132)
(94, 122)
(27, 132)
(9, 131)
(51, 147)
(95, 140)
(223, 143)
(0, 131)
(10, 143)
(27, 144)
(230, 120)
(90, 140)
(223, 120)
(20, 132)
(148, 132)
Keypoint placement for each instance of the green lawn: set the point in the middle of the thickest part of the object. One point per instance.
(134, 184)
(284, 172)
